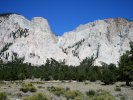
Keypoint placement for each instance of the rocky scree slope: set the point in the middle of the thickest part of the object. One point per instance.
(34, 41)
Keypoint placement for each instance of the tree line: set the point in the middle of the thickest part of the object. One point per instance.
(53, 70)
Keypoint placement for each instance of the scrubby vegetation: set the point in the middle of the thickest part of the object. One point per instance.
(3, 96)
(56, 90)
(109, 74)
(90, 93)
(28, 87)
(126, 66)
(6, 15)
(72, 94)
(118, 89)
(6, 47)
(19, 33)
(69, 94)
(38, 96)
(77, 95)
(102, 95)
(53, 70)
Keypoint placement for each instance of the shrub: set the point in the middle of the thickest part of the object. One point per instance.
(79, 98)
(18, 94)
(117, 89)
(72, 94)
(108, 77)
(85, 83)
(56, 90)
(123, 98)
(40, 87)
(21, 76)
(93, 76)
(24, 89)
(28, 87)
(32, 89)
(90, 93)
(126, 66)
(102, 95)
(3, 96)
(38, 96)
(67, 88)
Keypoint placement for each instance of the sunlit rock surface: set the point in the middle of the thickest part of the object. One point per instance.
(34, 41)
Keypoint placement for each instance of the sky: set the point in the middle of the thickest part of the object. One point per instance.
(66, 15)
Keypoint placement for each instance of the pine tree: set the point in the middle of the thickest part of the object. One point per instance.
(126, 66)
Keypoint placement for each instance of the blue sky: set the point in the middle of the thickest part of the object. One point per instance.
(65, 15)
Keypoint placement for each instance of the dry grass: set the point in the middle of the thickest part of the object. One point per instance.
(13, 88)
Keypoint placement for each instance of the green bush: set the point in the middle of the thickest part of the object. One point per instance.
(32, 89)
(117, 89)
(90, 93)
(38, 96)
(24, 89)
(108, 77)
(72, 94)
(21, 76)
(126, 66)
(64, 92)
(56, 90)
(28, 87)
(93, 76)
(3, 96)
(102, 95)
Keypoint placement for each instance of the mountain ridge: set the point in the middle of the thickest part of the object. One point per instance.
(105, 40)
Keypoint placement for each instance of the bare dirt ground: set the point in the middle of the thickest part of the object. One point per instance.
(13, 88)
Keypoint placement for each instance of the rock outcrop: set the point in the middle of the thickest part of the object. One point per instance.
(34, 41)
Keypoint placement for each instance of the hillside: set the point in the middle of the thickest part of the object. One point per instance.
(34, 41)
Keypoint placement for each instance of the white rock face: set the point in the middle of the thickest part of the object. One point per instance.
(35, 47)
(33, 40)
